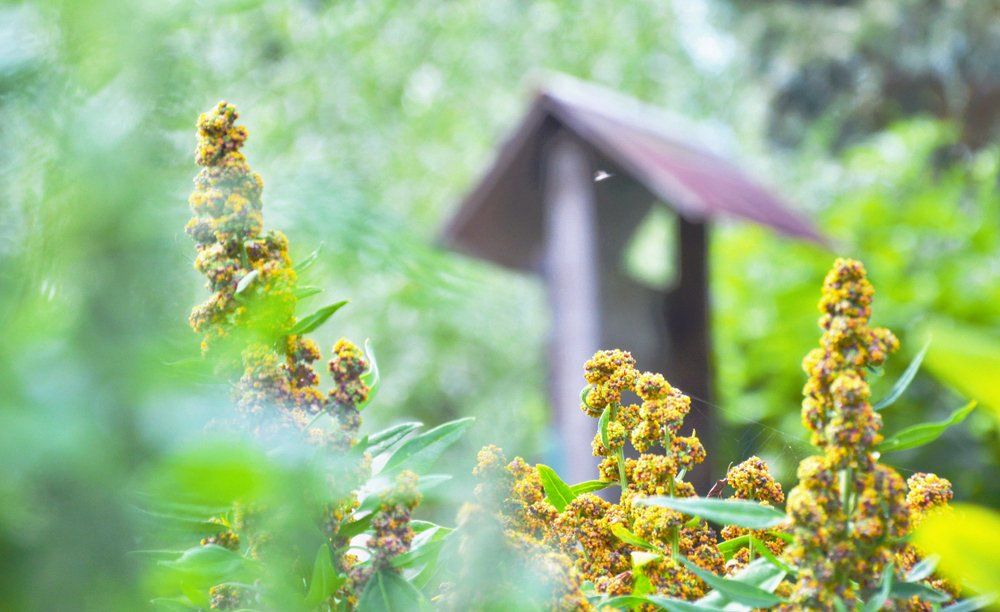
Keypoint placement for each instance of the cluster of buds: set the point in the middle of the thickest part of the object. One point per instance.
(392, 535)
(926, 494)
(505, 544)
(586, 531)
(848, 512)
(751, 480)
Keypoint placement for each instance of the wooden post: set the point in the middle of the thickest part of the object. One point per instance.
(571, 271)
(686, 318)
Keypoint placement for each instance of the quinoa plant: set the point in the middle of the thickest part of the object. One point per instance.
(361, 517)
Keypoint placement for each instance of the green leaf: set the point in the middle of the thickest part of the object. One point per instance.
(759, 573)
(968, 605)
(349, 530)
(602, 425)
(765, 552)
(678, 605)
(556, 491)
(307, 261)
(424, 548)
(316, 319)
(879, 598)
(245, 282)
(627, 602)
(967, 540)
(372, 378)
(419, 452)
(735, 590)
(325, 580)
(922, 570)
(924, 433)
(729, 547)
(589, 486)
(381, 441)
(387, 591)
(628, 537)
(305, 291)
(738, 512)
(906, 590)
(967, 358)
(904, 380)
(210, 564)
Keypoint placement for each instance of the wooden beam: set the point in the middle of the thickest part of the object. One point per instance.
(689, 366)
(572, 278)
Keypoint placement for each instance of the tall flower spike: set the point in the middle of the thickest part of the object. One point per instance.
(847, 511)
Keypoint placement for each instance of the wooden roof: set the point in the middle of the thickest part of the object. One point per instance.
(501, 219)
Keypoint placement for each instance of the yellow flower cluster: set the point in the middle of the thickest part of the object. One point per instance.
(927, 493)
(585, 530)
(511, 522)
(848, 512)
(752, 480)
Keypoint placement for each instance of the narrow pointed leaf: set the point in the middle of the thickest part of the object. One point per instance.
(906, 590)
(325, 580)
(246, 281)
(307, 261)
(924, 433)
(739, 592)
(968, 605)
(602, 425)
(904, 380)
(729, 547)
(379, 442)
(922, 570)
(307, 291)
(722, 511)
(556, 491)
(372, 378)
(589, 486)
(879, 598)
(628, 537)
(419, 452)
(316, 319)
(765, 552)
(759, 573)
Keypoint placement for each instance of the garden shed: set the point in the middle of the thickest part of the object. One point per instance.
(566, 193)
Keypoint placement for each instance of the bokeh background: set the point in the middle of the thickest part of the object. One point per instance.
(877, 118)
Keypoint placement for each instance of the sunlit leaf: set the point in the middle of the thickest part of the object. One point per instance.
(372, 378)
(738, 512)
(307, 261)
(924, 433)
(245, 282)
(728, 548)
(305, 291)
(735, 590)
(923, 569)
(556, 491)
(628, 537)
(381, 441)
(208, 564)
(387, 591)
(761, 548)
(906, 590)
(966, 539)
(973, 603)
(759, 573)
(325, 580)
(419, 452)
(313, 321)
(968, 359)
(589, 486)
(904, 380)
(878, 599)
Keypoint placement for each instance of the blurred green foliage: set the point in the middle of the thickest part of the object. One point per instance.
(367, 121)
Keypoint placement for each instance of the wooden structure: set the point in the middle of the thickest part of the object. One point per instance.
(542, 207)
